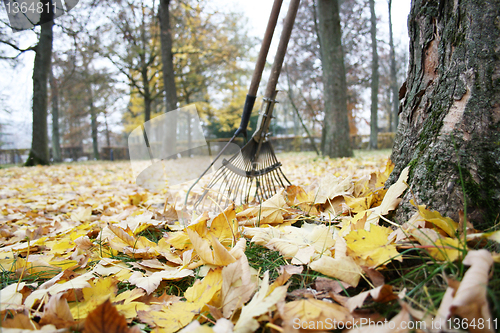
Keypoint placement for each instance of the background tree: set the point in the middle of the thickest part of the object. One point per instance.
(304, 63)
(167, 59)
(374, 79)
(136, 53)
(393, 119)
(54, 101)
(335, 140)
(39, 153)
(450, 120)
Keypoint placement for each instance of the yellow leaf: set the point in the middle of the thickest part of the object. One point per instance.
(445, 223)
(219, 256)
(391, 199)
(164, 247)
(179, 239)
(200, 226)
(444, 249)
(61, 246)
(129, 309)
(270, 211)
(63, 264)
(172, 318)
(359, 204)
(225, 227)
(99, 291)
(314, 314)
(201, 292)
(344, 269)
(372, 246)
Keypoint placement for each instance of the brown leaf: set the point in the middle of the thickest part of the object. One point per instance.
(375, 276)
(57, 312)
(381, 294)
(20, 320)
(285, 273)
(106, 319)
(329, 285)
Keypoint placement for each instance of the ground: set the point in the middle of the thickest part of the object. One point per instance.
(81, 242)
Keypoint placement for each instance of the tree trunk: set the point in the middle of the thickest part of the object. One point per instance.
(450, 120)
(335, 137)
(375, 79)
(394, 79)
(93, 123)
(108, 139)
(39, 153)
(168, 74)
(56, 140)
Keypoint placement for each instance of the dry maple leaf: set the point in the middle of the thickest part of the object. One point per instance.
(260, 304)
(391, 199)
(381, 294)
(399, 323)
(314, 314)
(270, 211)
(373, 246)
(331, 187)
(237, 286)
(445, 223)
(106, 319)
(469, 301)
(344, 269)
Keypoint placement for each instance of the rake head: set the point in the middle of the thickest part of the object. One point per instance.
(244, 178)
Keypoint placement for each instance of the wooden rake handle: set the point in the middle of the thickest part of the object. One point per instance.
(259, 67)
(282, 46)
(270, 94)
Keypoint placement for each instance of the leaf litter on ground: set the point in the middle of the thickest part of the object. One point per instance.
(84, 249)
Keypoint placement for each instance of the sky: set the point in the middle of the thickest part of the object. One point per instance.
(16, 86)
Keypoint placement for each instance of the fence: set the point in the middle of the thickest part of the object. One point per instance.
(281, 144)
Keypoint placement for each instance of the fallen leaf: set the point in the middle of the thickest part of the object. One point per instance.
(345, 269)
(373, 246)
(469, 299)
(237, 286)
(313, 314)
(105, 318)
(381, 294)
(260, 304)
(391, 199)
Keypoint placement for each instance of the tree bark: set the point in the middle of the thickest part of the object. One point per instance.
(335, 140)
(108, 139)
(93, 123)
(450, 120)
(375, 79)
(168, 73)
(39, 153)
(56, 140)
(394, 79)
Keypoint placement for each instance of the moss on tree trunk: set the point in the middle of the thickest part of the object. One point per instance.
(449, 119)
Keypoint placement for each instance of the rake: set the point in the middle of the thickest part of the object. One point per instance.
(254, 172)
